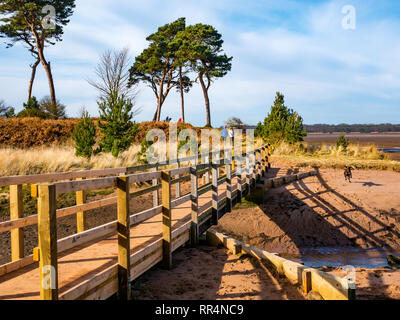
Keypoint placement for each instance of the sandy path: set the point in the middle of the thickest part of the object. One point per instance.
(207, 273)
(323, 211)
(326, 211)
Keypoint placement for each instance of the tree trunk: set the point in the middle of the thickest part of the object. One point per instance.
(47, 68)
(46, 65)
(34, 67)
(207, 100)
(182, 95)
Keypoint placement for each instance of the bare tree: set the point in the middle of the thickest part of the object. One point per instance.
(113, 75)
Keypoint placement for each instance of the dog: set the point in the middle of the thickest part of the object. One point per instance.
(347, 174)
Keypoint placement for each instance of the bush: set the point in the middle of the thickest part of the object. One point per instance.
(115, 124)
(33, 132)
(32, 110)
(342, 142)
(84, 135)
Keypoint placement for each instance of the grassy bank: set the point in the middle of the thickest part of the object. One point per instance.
(324, 156)
(59, 159)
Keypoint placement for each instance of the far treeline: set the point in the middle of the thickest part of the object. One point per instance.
(348, 128)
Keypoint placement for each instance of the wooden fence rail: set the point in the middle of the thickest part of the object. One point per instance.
(48, 249)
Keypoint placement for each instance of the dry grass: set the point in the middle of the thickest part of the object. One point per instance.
(360, 157)
(47, 159)
(59, 159)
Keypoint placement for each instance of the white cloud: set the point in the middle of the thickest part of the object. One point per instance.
(298, 49)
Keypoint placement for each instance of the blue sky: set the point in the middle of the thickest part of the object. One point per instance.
(328, 74)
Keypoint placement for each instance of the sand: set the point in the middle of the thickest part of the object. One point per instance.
(326, 211)
(208, 273)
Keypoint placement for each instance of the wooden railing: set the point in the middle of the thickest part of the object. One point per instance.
(121, 179)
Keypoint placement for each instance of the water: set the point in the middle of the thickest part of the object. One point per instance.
(339, 257)
(389, 150)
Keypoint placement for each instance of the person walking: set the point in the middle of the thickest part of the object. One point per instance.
(231, 134)
(224, 134)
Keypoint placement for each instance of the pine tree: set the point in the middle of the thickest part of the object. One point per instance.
(84, 135)
(282, 124)
(115, 123)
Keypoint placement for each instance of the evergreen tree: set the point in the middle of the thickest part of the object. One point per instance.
(84, 135)
(343, 142)
(282, 124)
(37, 24)
(115, 124)
(32, 109)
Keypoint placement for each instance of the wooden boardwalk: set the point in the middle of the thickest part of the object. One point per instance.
(80, 264)
(97, 263)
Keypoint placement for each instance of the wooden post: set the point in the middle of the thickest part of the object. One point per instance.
(263, 165)
(155, 192)
(80, 216)
(47, 230)
(306, 281)
(123, 228)
(17, 212)
(178, 185)
(214, 170)
(166, 219)
(233, 158)
(194, 228)
(239, 182)
(248, 182)
(258, 165)
(253, 166)
(228, 188)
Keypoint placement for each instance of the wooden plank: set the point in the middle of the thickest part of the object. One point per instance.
(32, 220)
(228, 188)
(214, 170)
(306, 281)
(181, 200)
(47, 230)
(16, 265)
(82, 290)
(92, 184)
(239, 182)
(123, 228)
(80, 215)
(166, 219)
(194, 228)
(178, 185)
(145, 215)
(153, 189)
(16, 212)
(144, 177)
(51, 177)
(156, 200)
(87, 236)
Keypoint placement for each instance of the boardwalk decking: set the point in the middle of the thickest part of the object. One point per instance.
(84, 262)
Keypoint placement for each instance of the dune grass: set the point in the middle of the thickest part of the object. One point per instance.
(324, 156)
(59, 159)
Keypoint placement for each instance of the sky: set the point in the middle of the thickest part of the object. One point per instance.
(329, 73)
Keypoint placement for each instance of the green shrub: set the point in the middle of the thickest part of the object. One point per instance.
(342, 142)
(84, 135)
(115, 124)
(142, 154)
(32, 110)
